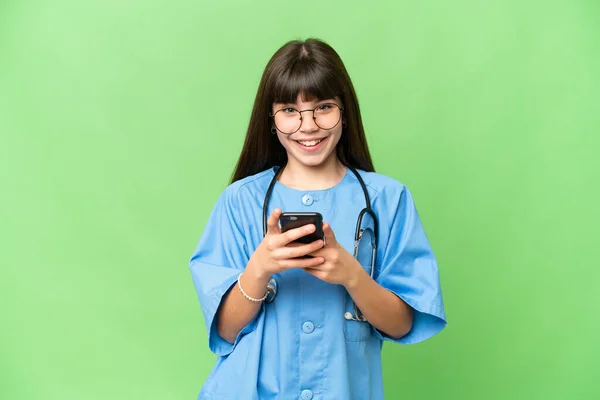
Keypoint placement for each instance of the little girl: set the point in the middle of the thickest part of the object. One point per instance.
(289, 320)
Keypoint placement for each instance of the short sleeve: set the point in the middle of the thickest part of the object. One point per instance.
(409, 269)
(217, 261)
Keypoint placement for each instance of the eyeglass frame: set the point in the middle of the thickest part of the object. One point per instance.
(272, 115)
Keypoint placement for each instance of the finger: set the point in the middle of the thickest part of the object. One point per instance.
(294, 234)
(294, 250)
(317, 273)
(329, 235)
(302, 262)
(273, 222)
(319, 252)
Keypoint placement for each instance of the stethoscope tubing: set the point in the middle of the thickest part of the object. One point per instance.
(272, 286)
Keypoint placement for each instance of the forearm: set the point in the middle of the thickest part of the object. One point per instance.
(236, 311)
(382, 308)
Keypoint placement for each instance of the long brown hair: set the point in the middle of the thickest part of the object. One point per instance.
(311, 68)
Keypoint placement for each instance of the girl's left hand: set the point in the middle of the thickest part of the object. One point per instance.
(340, 267)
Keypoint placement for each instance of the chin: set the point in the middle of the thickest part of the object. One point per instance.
(312, 161)
(313, 164)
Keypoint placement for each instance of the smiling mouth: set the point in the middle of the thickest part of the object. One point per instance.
(310, 143)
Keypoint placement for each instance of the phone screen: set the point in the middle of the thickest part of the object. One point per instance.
(295, 220)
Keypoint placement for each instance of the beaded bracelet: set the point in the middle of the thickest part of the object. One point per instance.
(246, 295)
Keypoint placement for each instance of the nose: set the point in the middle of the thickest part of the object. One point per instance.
(308, 122)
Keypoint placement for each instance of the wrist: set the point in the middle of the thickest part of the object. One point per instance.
(254, 290)
(256, 274)
(355, 277)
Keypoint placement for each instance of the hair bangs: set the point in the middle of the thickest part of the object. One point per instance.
(309, 79)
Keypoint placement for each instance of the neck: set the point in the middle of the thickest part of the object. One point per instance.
(302, 177)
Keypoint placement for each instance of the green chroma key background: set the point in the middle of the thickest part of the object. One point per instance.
(121, 121)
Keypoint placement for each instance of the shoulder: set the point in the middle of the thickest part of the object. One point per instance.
(382, 185)
(249, 186)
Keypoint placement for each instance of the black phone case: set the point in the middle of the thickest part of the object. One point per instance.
(293, 220)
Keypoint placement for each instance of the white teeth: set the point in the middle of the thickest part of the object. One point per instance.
(310, 143)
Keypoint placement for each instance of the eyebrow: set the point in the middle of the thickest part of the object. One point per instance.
(295, 105)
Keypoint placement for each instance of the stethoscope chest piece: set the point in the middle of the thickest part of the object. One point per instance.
(271, 290)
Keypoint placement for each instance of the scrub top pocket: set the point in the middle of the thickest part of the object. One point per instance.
(356, 331)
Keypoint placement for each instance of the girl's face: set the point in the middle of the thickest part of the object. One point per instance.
(311, 145)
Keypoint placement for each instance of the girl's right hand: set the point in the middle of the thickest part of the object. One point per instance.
(273, 255)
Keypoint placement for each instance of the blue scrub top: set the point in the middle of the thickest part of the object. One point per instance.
(300, 346)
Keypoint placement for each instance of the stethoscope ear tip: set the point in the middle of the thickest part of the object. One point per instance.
(348, 315)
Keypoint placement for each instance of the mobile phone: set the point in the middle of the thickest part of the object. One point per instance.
(291, 220)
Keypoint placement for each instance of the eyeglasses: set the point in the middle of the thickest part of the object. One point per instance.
(289, 120)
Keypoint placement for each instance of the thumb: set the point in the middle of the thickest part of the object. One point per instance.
(329, 235)
(273, 222)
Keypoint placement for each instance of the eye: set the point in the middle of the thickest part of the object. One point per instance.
(289, 110)
(324, 107)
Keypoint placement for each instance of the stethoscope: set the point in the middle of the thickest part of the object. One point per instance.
(358, 235)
